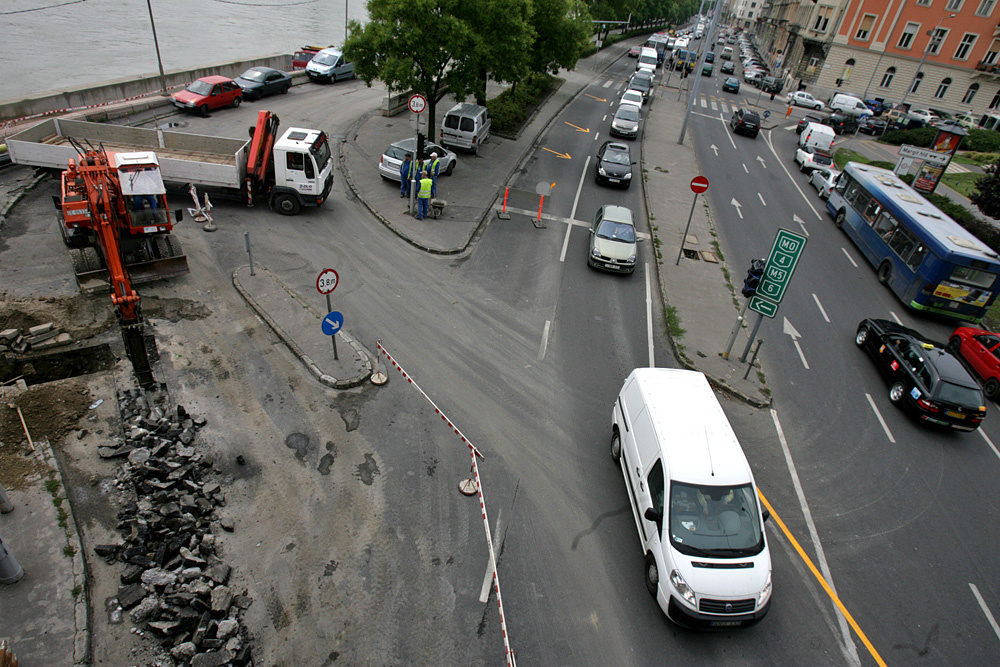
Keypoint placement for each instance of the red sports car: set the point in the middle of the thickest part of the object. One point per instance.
(981, 352)
(209, 92)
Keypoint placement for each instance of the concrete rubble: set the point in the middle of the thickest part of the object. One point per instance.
(40, 337)
(174, 585)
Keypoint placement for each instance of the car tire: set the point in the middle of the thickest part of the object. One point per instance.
(616, 446)
(861, 337)
(885, 272)
(286, 205)
(651, 575)
(839, 220)
(237, 102)
(817, 107)
(954, 345)
(203, 110)
(992, 389)
(896, 392)
(285, 89)
(450, 169)
(802, 167)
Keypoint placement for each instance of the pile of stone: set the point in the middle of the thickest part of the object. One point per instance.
(174, 586)
(41, 337)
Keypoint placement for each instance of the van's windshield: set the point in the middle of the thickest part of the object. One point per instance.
(715, 521)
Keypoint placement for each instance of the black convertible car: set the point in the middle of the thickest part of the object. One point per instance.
(924, 376)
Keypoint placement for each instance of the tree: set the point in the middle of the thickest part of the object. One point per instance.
(503, 37)
(412, 45)
(987, 194)
(563, 30)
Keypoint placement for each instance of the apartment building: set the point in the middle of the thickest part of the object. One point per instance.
(746, 12)
(796, 35)
(934, 53)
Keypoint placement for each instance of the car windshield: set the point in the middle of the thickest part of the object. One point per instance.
(200, 88)
(627, 112)
(956, 393)
(715, 521)
(616, 231)
(616, 156)
(254, 75)
(325, 59)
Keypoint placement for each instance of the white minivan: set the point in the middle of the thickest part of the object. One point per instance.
(850, 105)
(820, 137)
(647, 59)
(694, 500)
(330, 65)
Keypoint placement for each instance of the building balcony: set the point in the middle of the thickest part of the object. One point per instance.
(989, 68)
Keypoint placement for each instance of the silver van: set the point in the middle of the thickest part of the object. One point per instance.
(466, 126)
(330, 65)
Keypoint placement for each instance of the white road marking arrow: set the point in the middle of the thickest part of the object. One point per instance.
(797, 219)
(716, 149)
(761, 160)
(738, 207)
(791, 331)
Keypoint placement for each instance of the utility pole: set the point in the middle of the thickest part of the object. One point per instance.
(701, 63)
(159, 61)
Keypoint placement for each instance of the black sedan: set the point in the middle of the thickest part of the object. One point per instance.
(727, 67)
(924, 377)
(841, 123)
(731, 85)
(805, 120)
(614, 164)
(257, 82)
(873, 126)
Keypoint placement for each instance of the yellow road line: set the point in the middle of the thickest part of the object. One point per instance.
(822, 581)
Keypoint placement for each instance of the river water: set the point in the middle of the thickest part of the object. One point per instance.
(52, 45)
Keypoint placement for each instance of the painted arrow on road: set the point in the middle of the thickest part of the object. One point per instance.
(762, 163)
(578, 129)
(791, 331)
(599, 99)
(565, 156)
(738, 207)
(716, 149)
(797, 219)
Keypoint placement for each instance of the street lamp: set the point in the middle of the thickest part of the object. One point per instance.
(159, 61)
(933, 42)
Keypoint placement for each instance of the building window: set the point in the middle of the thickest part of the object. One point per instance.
(887, 77)
(845, 75)
(985, 7)
(970, 93)
(962, 52)
(865, 27)
(750, 14)
(906, 38)
(936, 40)
(923, 3)
(916, 82)
(954, 5)
(823, 19)
(942, 89)
(991, 56)
(996, 101)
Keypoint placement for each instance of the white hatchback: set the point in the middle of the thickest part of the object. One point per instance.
(632, 97)
(801, 98)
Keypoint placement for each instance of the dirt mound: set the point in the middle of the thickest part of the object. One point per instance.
(82, 315)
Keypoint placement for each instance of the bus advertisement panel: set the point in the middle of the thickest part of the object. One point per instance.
(928, 260)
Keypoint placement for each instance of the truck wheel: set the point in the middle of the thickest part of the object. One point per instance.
(286, 205)
(237, 102)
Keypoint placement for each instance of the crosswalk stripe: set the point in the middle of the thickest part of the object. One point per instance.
(956, 168)
(723, 107)
(713, 106)
(704, 105)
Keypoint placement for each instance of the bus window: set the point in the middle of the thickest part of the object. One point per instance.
(972, 276)
(856, 196)
(872, 211)
(842, 182)
(917, 258)
(885, 225)
(902, 243)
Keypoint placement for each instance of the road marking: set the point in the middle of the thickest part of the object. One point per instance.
(715, 149)
(762, 163)
(725, 109)
(565, 156)
(821, 309)
(826, 578)
(728, 133)
(885, 427)
(849, 258)
(484, 592)
(545, 337)
(596, 134)
(986, 610)
(565, 245)
(576, 199)
(791, 127)
(745, 169)
(802, 224)
(762, 199)
(767, 139)
(896, 317)
(787, 328)
(714, 108)
(558, 218)
(604, 118)
(739, 207)
(578, 129)
(989, 442)
(606, 84)
(704, 104)
(649, 317)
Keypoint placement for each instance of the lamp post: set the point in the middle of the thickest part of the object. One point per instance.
(163, 79)
(934, 42)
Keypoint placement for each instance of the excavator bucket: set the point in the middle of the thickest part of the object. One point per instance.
(164, 259)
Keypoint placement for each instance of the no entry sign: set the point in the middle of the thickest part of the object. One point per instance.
(699, 184)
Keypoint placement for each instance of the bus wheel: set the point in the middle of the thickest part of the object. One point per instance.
(839, 220)
(884, 272)
(992, 389)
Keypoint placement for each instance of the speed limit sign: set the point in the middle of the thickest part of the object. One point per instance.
(327, 281)
(417, 103)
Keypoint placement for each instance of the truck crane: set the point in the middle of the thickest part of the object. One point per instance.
(94, 196)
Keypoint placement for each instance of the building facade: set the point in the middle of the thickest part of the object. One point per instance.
(797, 34)
(940, 54)
(746, 12)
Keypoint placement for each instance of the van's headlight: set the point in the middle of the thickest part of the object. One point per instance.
(765, 593)
(682, 589)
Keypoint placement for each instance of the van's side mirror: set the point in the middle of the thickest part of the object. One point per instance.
(652, 515)
(767, 514)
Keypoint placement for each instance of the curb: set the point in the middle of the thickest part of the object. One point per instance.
(322, 377)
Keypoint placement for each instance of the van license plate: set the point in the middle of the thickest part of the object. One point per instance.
(726, 624)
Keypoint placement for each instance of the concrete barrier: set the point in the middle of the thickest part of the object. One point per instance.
(126, 88)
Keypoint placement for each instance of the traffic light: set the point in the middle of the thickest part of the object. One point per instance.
(753, 277)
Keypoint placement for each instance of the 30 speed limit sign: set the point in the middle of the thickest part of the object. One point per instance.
(327, 281)
(417, 103)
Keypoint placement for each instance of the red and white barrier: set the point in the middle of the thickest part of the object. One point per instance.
(511, 661)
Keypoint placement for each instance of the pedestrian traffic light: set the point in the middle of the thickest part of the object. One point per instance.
(753, 277)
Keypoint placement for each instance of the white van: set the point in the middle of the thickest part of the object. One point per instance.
(330, 65)
(849, 104)
(694, 500)
(819, 137)
(727, 53)
(647, 59)
(466, 126)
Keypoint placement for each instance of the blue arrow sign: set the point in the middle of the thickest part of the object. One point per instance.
(333, 322)
(767, 114)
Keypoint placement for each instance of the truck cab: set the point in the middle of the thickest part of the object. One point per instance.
(303, 170)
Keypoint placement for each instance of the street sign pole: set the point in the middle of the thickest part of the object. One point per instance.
(753, 335)
(329, 309)
(686, 228)
(327, 282)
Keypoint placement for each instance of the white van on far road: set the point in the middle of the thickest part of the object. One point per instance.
(694, 500)
(648, 59)
(850, 105)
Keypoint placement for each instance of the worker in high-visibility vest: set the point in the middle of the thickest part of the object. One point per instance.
(433, 168)
(424, 195)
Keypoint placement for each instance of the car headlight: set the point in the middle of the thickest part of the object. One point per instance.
(682, 588)
(627, 176)
(600, 170)
(191, 104)
(765, 593)
(594, 252)
(631, 259)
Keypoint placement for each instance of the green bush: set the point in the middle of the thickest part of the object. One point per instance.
(983, 141)
(922, 137)
(882, 164)
(510, 108)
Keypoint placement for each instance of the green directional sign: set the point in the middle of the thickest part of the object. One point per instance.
(763, 306)
(780, 265)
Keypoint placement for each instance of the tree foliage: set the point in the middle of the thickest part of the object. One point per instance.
(987, 195)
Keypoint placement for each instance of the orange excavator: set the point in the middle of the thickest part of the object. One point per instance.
(109, 204)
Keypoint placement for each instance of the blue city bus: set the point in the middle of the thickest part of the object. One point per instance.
(928, 260)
